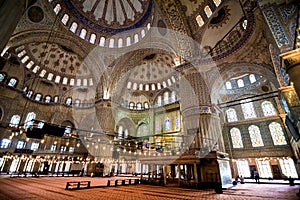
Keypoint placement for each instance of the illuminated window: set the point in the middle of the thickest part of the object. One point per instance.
(128, 41)
(29, 94)
(240, 83)
(264, 168)
(57, 8)
(255, 136)
(53, 147)
(47, 99)
(29, 119)
(12, 82)
(93, 38)
(42, 73)
(146, 105)
(71, 149)
(268, 108)
(2, 76)
(77, 102)
(173, 96)
(217, 2)
(199, 20)
(248, 109)
(67, 131)
(243, 168)
(157, 125)
(136, 38)
(131, 105)
(15, 120)
(65, 19)
(65, 81)
(252, 78)
(207, 11)
(56, 99)
(36, 69)
(120, 42)
(34, 146)
(68, 101)
(74, 27)
(21, 144)
(111, 43)
(83, 33)
(236, 138)
(159, 101)
(288, 168)
(57, 79)
(5, 143)
(166, 98)
(38, 97)
(277, 134)
(178, 122)
(245, 22)
(143, 33)
(102, 41)
(139, 106)
(120, 132)
(167, 124)
(126, 133)
(231, 115)
(228, 85)
(50, 76)
(63, 148)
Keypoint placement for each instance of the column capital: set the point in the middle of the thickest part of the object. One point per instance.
(290, 59)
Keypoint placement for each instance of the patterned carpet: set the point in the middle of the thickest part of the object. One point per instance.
(54, 188)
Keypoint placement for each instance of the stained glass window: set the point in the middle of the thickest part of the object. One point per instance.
(236, 138)
(277, 134)
(248, 109)
(199, 20)
(217, 2)
(157, 125)
(255, 136)
(12, 82)
(288, 168)
(268, 108)
(2, 76)
(231, 115)
(15, 120)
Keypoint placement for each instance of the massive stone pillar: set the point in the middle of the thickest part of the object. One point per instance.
(291, 61)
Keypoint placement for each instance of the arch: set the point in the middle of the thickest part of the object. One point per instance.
(14, 120)
(73, 27)
(29, 119)
(248, 109)
(240, 83)
(120, 42)
(65, 19)
(93, 38)
(12, 82)
(127, 124)
(231, 115)
(83, 33)
(102, 41)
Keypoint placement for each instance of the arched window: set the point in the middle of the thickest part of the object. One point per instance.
(131, 105)
(207, 11)
(50, 76)
(248, 109)
(38, 97)
(57, 8)
(152, 86)
(93, 38)
(136, 38)
(146, 105)
(69, 101)
(2, 76)
(57, 79)
(120, 132)
(231, 115)
(143, 33)
(228, 85)
(74, 27)
(128, 41)
(120, 42)
(83, 33)
(166, 98)
(12, 82)
(134, 86)
(217, 2)
(240, 83)
(29, 119)
(29, 94)
(277, 134)
(47, 99)
(199, 20)
(255, 136)
(129, 85)
(102, 41)
(236, 138)
(65, 19)
(141, 86)
(77, 102)
(14, 121)
(139, 106)
(268, 108)
(252, 78)
(111, 43)
(126, 133)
